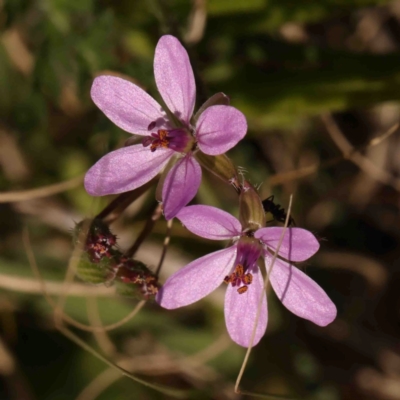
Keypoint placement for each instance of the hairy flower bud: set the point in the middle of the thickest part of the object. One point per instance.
(102, 262)
(251, 216)
(221, 166)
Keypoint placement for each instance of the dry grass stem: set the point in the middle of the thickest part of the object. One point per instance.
(213, 350)
(33, 286)
(197, 22)
(7, 362)
(163, 389)
(266, 281)
(159, 364)
(13, 163)
(104, 328)
(70, 273)
(354, 155)
(102, 339)
(348, 153)
(20, 55)
(99, 384)
(44, 191)
(373, 271)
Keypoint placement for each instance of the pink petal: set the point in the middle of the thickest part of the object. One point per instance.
(126, 104)
(180, 185)
(297, 244)
(197, 279)
(174, 77)
(241, 311)
(210, 222)
(219, 129)
(300, 294)
(125, 169)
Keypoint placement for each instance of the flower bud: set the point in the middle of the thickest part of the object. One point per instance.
(221, 166)
(133, 278)
(251, 212)
(98, 240)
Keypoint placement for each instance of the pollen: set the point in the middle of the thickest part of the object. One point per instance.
(238, 277)
(247, 279)
(160, 141)
(242, 289)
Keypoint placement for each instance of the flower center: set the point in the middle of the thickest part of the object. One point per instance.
(238, 278)
(175, 139)
(248, 253)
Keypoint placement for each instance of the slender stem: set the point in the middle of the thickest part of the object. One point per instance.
(165, 246)
(119, 204)
(146, 231)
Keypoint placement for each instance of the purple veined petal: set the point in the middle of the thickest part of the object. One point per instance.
(174, 77)
(220, 128)
(210, 222)
(125, 169)
(197, 279)
(180, 185)
(241, 311)
(127, 105)
(300, 294)
(297, 244)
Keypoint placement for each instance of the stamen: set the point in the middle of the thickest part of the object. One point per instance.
(152, 125)
(175, 139)
(238, 277)
(242, 289)
(247, 279)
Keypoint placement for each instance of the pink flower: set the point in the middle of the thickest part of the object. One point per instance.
(167, 134)
(237, 266)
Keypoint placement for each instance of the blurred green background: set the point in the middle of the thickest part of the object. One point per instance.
(317, 80)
